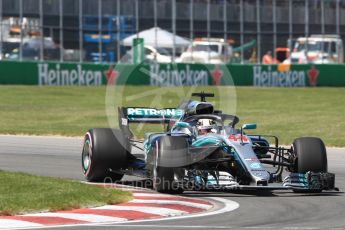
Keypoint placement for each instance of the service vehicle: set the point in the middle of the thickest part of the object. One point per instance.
(207, 50)
(202, 148)
(317, 49)
(151, 55)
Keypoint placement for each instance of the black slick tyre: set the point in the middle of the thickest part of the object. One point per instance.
(164, 176)
(104, 149)
(311, 156)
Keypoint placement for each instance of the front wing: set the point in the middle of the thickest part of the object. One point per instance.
(300, 182)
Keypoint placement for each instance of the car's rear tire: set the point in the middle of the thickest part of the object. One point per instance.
(311, 156)
(163, 176)
(104, 149)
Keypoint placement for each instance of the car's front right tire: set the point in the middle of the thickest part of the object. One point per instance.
(311, 156)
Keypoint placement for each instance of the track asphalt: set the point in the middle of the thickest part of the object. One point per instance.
(60, 157)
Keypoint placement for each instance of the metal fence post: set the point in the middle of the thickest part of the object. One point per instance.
(242, 30)
(225, 21)
(274, 15)
(1, 31)
(41, 30)
(174, 29)
(118, 48)
(208, 11)
(155, 22)
(290, 27)
(306, 28)
(258, 28)
(225, 27)
(137, 17)
(191, 25)
(337, 13)
(61, 29)
(100, 36)
(81, 40)
(22, 29)
(322, 18)
(322, 27)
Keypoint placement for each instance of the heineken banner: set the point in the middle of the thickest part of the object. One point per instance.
(50, 73)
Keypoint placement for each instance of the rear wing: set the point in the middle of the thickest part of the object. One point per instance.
(146, 115)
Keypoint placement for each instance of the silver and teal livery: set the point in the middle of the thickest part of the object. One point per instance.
(203, 148)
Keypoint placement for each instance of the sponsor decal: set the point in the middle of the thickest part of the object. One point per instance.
(216, 75)
(269, 78)
(124, 121)
(313, 73)
(59, 76)
(251, 159)
(111, 75)
(177, 77)
(154, 112)
(255, 165)
(239, 138)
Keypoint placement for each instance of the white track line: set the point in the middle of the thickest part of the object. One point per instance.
(170, 226)
(185, 203)
(92, 218)
(138, 194)
(10, 224)
(152, 210)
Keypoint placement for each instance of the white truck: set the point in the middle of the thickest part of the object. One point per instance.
(207, 50)
(317, 49)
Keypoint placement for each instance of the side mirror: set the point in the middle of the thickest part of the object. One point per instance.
(182, 124)
(249, 126)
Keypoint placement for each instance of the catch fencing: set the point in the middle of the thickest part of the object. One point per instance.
(252, 26)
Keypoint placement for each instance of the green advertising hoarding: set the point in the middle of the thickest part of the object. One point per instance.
(55, 73)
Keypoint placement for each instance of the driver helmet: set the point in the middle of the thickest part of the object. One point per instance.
(206, 126)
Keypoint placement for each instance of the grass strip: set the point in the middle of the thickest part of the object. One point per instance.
(285, 112)
(23, 193)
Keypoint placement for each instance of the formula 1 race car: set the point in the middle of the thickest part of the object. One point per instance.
(202, 149)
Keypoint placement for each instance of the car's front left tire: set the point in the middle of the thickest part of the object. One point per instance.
(163, 176)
